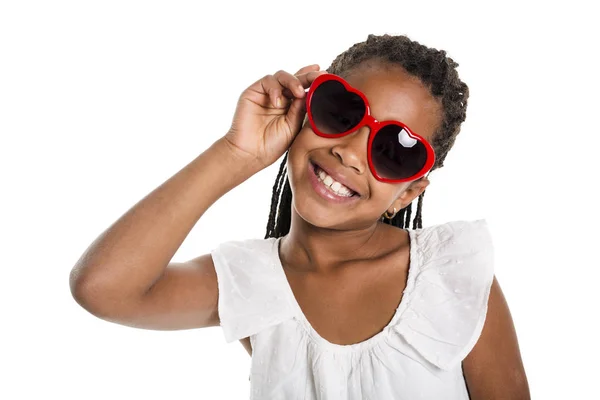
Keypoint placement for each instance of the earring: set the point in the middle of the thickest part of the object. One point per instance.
(387, 215)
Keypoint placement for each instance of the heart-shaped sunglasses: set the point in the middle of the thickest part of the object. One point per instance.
(395, 153)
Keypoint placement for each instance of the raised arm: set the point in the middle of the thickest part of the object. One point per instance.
(125, 276)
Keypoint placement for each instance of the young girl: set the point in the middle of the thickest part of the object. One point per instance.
(340, 300)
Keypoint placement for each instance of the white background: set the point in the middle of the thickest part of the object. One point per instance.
(101, 102)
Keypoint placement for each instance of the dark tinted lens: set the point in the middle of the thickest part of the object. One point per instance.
(334, 109)
(396, 155)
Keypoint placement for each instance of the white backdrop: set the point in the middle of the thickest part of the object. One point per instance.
(101, 102)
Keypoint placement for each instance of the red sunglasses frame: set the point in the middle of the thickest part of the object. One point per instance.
(374, 126)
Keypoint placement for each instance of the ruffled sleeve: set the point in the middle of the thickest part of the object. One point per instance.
(447, 293)
(251, 294)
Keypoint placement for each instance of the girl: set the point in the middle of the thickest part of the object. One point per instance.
(340, 300)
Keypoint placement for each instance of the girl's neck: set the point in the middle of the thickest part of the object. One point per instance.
(307, 248)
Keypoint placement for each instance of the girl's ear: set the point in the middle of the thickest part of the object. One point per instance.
(413, 191)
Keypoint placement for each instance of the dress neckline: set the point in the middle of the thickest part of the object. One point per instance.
(367, 343)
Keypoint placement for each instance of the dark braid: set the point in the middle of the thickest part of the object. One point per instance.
(435, 70)
(275, 196)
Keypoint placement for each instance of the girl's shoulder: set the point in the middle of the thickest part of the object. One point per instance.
(447, 291)
(454, 239)
(443, 308)
(251, 290)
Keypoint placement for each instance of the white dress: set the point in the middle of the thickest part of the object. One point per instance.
(417, 355)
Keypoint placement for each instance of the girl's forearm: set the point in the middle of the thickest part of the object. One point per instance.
(129, 256)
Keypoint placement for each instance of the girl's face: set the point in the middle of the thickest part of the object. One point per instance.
(392, 94)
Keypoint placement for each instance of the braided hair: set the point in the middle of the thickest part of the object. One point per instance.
(435, 70)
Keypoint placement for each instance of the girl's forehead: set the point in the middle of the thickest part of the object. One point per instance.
(393, 94)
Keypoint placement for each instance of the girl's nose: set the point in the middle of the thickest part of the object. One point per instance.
(351, 150)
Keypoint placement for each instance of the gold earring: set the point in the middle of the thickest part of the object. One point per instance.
(388, 216)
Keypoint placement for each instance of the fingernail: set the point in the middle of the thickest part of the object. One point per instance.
(278, 101)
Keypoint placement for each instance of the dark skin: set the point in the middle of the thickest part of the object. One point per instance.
(357, 264)
(346, 269)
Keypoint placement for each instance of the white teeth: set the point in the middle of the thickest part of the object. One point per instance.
(337, 187)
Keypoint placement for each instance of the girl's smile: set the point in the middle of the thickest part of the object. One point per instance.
(325, 191)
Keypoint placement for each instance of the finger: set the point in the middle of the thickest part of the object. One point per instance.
(308, 68)
(288, 94)
(286, 100)
(290, 82)
(307, 79)
(271, 87)
(295, 114)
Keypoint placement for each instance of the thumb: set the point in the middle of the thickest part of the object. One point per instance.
(296, 113)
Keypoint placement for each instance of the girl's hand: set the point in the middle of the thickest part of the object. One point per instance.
(269, 115)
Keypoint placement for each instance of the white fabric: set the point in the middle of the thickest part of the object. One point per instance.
(418, 354)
